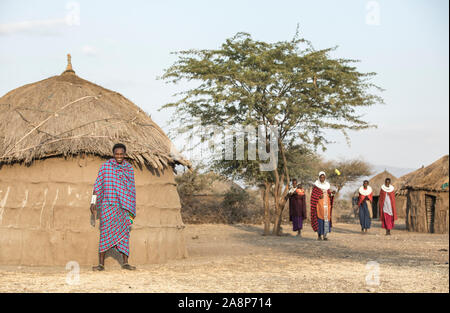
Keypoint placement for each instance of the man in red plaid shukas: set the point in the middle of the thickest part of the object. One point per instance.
(115, 195)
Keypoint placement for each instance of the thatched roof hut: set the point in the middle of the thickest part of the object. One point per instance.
(430, 178)
(376, 182)
(427, 194)
(54, 136)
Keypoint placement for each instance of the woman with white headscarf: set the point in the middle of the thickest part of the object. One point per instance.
(321, 207)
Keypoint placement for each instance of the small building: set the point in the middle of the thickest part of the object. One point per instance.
(427, 198)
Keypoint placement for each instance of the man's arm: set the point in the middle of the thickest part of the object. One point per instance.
(134, 190)
(98, 185)
(93, 207)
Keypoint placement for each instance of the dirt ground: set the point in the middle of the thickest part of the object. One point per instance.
(237, 258)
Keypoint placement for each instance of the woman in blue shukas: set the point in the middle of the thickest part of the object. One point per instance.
(365, 206)
(115, 195)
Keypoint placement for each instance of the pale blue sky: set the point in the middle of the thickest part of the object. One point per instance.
(125, 45)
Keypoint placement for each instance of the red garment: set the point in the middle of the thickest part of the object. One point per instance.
(315, 195)
(297, 204)
(387, 221)
(362, 197)
(381, 203)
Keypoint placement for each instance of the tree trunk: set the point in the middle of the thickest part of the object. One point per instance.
(338, 189)
(277, 222)
(266, 193)
(280, 197)
(280, 204)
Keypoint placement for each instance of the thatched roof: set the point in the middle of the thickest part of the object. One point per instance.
(378, 180)
(66, 115)
(429, 178)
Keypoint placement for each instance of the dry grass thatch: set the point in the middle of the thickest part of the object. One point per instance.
(430, 178)
(378, 180)
(66, 115)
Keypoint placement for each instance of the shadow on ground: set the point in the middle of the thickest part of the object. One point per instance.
(345, 243)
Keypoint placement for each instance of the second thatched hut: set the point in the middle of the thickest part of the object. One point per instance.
(427, 197)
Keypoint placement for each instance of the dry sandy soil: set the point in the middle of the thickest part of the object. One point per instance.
(236, 258)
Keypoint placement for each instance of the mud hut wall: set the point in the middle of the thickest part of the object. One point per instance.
(400, 204)
(45, 218)
(441, 219)
(416, 219)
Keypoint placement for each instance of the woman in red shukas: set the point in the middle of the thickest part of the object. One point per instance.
(388, 212)
(297, 207)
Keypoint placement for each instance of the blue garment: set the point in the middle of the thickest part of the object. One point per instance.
(322, 225)
(297, 223)
(364, 216)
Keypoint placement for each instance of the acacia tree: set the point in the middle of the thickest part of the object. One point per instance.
(350, 171)
(287, 84)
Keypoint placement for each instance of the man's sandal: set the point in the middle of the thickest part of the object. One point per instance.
(98, 268)
(129, 267)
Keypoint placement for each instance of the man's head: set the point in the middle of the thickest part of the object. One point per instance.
(365, 183)
(387, 182)
(119, 151)
(294, 182)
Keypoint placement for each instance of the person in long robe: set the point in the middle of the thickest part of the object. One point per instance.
(297, 207)
(365, 206)
(322, 207)
(386, 204)
(115, 196)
